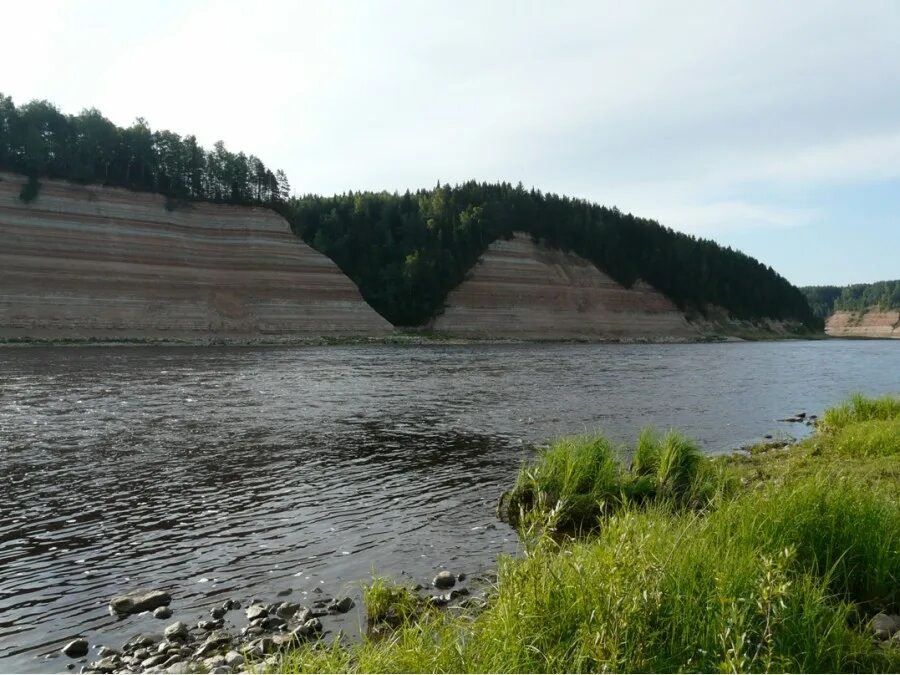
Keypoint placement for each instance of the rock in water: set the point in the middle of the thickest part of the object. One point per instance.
(141, 600)
(76, 648)
(162, 612)
(341, 606)
(444, 579)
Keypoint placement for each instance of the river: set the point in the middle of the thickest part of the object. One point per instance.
(241, 472)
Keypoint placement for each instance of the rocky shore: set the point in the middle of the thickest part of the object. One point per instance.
(235, 637)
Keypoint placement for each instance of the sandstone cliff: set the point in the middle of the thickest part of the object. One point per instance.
(871, 324)
(522, 290)
(92, 262)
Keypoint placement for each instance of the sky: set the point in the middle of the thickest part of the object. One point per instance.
(771, 127)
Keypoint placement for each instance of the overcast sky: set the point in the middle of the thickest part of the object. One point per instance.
(773, 127)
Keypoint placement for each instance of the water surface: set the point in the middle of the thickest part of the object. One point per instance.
(234, 472)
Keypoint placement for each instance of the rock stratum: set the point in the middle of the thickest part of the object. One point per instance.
(90, 262)
(523, 290)
(873, 323)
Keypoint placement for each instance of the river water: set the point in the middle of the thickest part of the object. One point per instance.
(240, 472)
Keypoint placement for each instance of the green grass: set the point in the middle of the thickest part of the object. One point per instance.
(861, 409)
(790, 553)
(390, 604)
(581, 479)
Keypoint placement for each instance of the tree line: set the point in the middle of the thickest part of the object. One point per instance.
(407, 251)
(825, 300)
(37, 140)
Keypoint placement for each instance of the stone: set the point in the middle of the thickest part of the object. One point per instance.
(105, 651)
(76, 648)
(177, 631)
(141, 600)
(444, 579)
(162, 612)
(107, 664)
(171, 660)
(273, 623)
(214, 662)
(141, 640)
(233, 659)
(313, 627)
(286, 609)
(264, 645)
(210, 625)
(341, 606)
(885, 625)
(257, 612)
(154, 661)
(303, 615)
(178, 667)
(230, 604)
(220, 670)
(217, 612)
(284, 593)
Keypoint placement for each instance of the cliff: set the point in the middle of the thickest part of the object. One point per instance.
(92, 262)
(872, 323)
(522, 290)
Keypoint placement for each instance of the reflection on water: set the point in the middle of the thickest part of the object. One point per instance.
(221, 473)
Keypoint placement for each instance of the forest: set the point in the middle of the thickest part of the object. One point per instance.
(407, 251)
(38, 140)
(825, 300)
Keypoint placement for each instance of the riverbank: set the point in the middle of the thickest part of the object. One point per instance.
(783, 557)
(398, 338)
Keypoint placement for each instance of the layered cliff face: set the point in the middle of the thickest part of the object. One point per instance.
(522, 290)
(92, 262)
(871, 324)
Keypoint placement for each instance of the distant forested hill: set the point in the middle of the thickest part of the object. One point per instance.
(407, 251)
(825, 300)
(404, 251)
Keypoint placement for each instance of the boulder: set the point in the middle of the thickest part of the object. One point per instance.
(286, 609)
(217, 612)
(444, 579)
(141, 600)
(76, 648)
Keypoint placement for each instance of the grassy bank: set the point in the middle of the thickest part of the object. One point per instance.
(772, 560)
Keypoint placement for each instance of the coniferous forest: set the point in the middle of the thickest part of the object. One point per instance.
(407, 251)
(825, 300)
